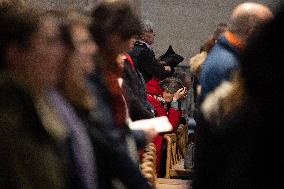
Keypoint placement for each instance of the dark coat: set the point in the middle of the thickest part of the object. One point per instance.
(30, 156)
(244, 148)
(238, 152)
(112, 156)
(135, 92)
(147, 63)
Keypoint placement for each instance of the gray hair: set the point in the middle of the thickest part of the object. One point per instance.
(147, 25)
(242, 24)
(249, 17)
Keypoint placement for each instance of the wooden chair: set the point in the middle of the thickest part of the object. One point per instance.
(148, 169)
(148, 164)
(163, 183)
(176, 149)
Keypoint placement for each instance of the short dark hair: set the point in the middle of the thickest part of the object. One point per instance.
(17, 25)
(209, 44)
(171, 84)
(115, 17)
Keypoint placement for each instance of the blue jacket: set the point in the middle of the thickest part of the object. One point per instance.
(221, 62)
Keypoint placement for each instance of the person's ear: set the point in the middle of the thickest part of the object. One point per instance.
(113, 41)
(142, 36)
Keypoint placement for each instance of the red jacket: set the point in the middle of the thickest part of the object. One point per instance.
(153, 91)
(154, 94)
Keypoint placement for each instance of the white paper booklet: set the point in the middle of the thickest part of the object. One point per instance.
(161, 124)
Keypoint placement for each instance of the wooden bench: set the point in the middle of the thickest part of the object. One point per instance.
(176, 150)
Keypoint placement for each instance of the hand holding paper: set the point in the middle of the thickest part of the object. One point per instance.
(160, 124)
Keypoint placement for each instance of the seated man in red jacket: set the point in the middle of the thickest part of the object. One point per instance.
(165, 97)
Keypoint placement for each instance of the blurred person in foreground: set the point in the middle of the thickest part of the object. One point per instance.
(239, 141)
(32, 151)
(113, 26)
(224, 58)
(73, 96)
(196, 62)
(134, 88)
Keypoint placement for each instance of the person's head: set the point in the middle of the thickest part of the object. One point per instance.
(260, 66)
(209, 44)
(82, 42)
(79, 62)
(170, 86)
(114, 24)
(132, 42)
(247, 18)
(12, 14)
(219, 30)
(148, 33)
(185, 78)
(32, 50)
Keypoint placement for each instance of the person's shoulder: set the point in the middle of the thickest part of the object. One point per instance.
(11, 93)
(221, 54)
(224, 47)
(152, 99)
(219, 48)
(139, 44)
(142, 47)
(137, 50)
(14, 104)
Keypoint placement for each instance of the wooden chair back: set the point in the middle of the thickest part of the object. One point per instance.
(176, 150)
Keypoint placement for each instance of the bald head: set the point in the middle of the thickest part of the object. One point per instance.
(248, 16)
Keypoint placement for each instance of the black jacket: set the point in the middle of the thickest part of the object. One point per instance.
(30, 156)
(112, 156)
(147, 63)
(135, 93)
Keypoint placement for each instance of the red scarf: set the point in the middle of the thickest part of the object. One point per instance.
(117, 102)
(131, 62)
(111, 71)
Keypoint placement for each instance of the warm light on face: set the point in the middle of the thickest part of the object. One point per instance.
(149, 37)
(167, 96)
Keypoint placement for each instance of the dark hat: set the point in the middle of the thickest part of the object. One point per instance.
(171, 58)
